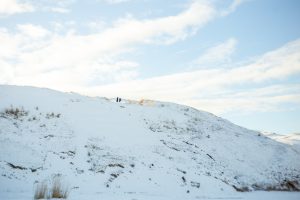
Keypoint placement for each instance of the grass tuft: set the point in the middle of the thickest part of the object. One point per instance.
(41, 191)
(56, 191)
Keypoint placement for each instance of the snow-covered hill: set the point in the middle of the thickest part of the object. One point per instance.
(146, 149)
(292, 139)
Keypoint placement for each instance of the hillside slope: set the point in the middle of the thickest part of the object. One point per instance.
(292, 139)
(146, 148)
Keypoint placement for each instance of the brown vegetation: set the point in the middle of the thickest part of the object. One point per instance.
(57, 190)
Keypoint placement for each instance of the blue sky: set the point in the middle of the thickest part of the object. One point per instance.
(239, 59)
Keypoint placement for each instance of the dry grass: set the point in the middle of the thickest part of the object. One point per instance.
(15, 112)
(146, 102)
(41, 191)
(56, 191)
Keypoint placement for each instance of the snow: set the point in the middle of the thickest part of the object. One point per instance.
(135, 150)
(292, 139)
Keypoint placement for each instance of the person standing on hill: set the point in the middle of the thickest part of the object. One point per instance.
(118, 99)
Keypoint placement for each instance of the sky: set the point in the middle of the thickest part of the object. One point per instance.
(239, 59)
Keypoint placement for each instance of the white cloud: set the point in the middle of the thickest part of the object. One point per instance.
(96, 26)
(9, 44)
(217, 55)
(10, 7)
(233, 6)
(263, 99)
(36, 51)
(33, 31)
(84, 63)
(163, 30)
(59, 10)
(208, 89)
(115, 1)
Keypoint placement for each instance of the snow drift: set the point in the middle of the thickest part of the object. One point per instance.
(152, 148)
